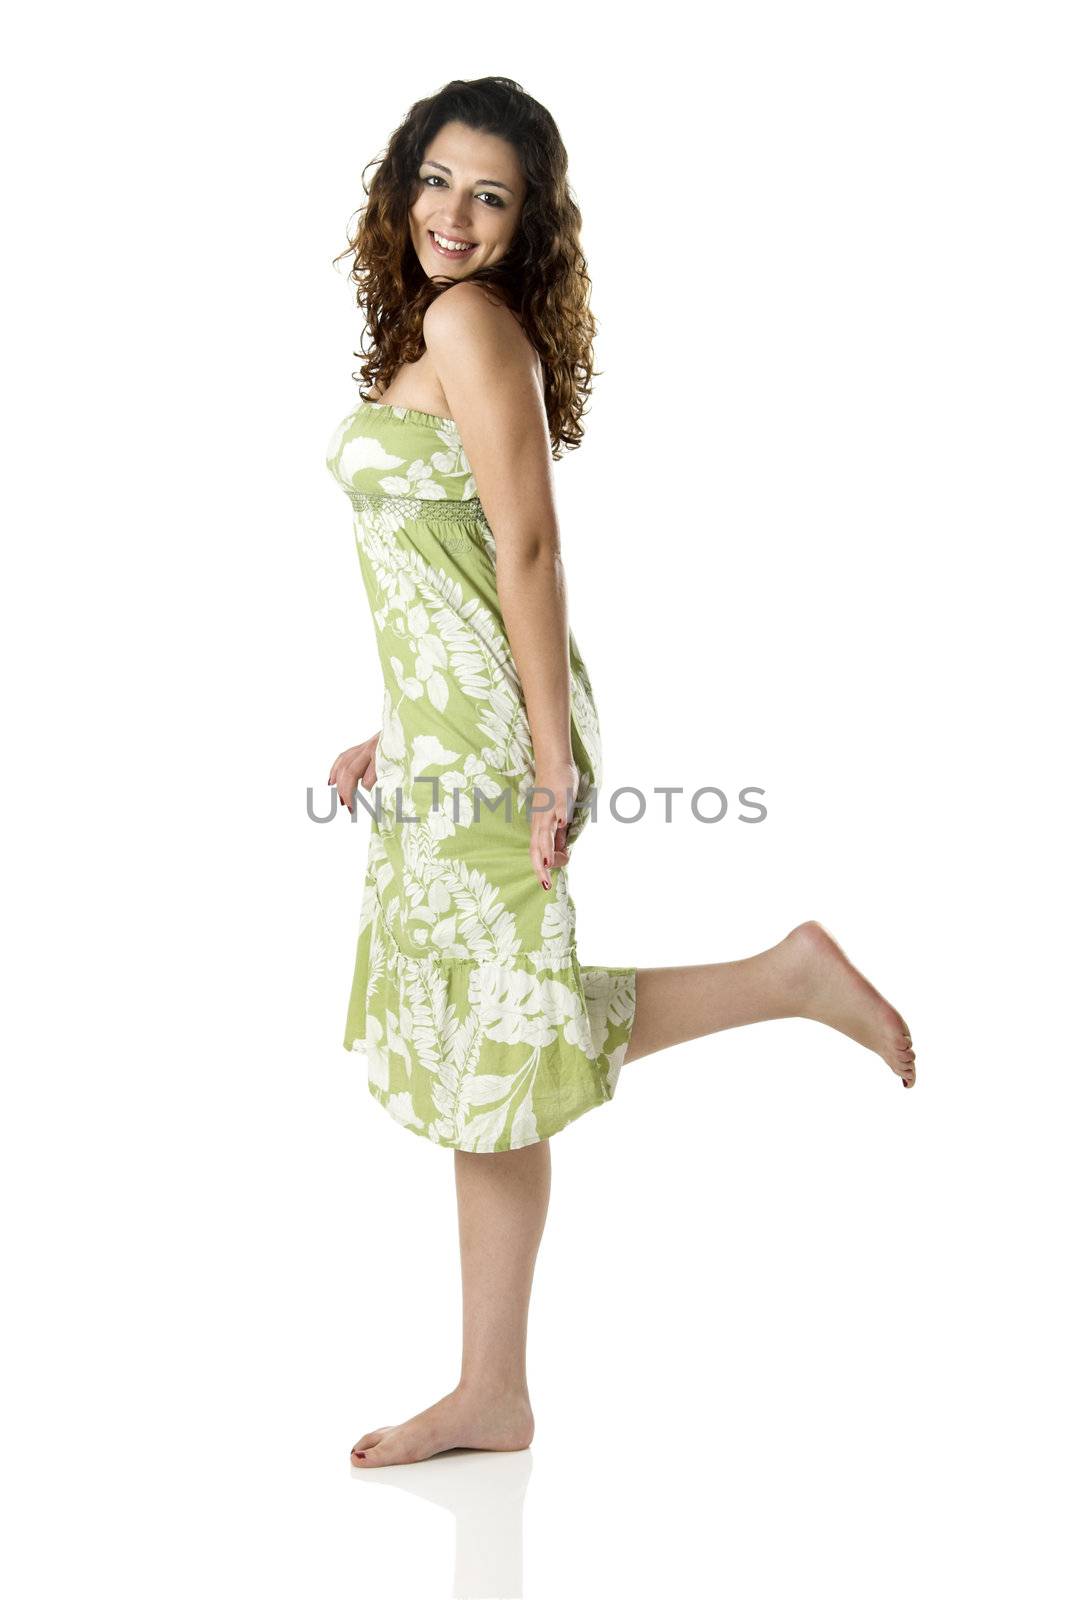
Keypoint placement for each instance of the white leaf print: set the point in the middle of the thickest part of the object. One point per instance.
(440, 823)
(559, 1002)
(377, 1056)
(402, 1109)
(410, 686)
(431, 653)
(485, 1088)
(511, 1005)
(439, 898)
(524, 1123)
(364, 452)
(444, 932)
(483, 1133)
(427, 751)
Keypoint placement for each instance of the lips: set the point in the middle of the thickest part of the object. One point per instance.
(442, 250)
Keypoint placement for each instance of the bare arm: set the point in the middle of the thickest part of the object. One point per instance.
(490, 375)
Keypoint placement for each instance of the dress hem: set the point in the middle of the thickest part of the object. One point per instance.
(357, 1046)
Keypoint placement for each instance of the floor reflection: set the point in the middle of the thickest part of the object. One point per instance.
(485, 1491)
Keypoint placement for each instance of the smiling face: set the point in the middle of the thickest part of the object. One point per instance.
(470, 194)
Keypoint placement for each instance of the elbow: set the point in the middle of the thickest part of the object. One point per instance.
(528, 547)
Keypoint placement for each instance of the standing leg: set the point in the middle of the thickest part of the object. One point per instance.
(806, 975)
(503, 1203)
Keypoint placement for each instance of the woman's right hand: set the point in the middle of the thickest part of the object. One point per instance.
(353, 765)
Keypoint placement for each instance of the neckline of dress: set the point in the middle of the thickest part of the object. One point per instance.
(409, 411)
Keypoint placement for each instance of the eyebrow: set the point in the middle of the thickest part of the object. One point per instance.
(491, 183)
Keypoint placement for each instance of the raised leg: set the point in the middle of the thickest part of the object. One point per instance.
(806, 975)
(503, 1197)
(503, 1203)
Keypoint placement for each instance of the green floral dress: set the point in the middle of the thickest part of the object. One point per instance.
(481, 1028)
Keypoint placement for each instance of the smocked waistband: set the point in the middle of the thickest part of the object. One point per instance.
(413, 506)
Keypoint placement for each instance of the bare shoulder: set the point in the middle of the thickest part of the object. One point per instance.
(471, 318)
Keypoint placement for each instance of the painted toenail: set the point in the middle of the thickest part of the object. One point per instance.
(360, 1453)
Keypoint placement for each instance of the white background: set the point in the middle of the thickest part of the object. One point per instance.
(794, 1329)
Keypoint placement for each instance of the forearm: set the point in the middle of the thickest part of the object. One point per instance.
(532, 590)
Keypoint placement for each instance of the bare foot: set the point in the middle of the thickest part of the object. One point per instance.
(460, 1420)
(831, 990)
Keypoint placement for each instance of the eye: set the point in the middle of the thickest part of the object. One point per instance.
(435, 177)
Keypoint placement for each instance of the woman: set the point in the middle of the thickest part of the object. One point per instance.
(482, 1030)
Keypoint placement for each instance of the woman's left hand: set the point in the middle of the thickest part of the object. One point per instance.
(548, 826)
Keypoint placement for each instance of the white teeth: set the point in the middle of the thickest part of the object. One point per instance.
(448, 244)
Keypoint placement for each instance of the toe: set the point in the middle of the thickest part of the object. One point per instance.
(372, 1455)
(368, 1440)
(374, 1437)
(375, 1455)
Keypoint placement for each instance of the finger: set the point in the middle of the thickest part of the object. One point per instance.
(350, 775)
(541, 861)
(338, 765)
(346, 783)
(546, 847)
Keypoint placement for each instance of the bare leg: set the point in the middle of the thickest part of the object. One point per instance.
(503, 1203)
(503, 1197)
(806, 975)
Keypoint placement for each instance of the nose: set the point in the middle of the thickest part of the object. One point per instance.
(456, 215)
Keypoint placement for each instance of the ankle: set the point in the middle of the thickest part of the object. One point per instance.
(493, 1389)
(795, 967)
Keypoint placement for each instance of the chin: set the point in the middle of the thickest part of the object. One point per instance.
(435, 268)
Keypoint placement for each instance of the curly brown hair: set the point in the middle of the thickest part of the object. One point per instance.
(543, 277)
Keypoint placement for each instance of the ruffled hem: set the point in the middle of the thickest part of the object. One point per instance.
(485, 1056)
